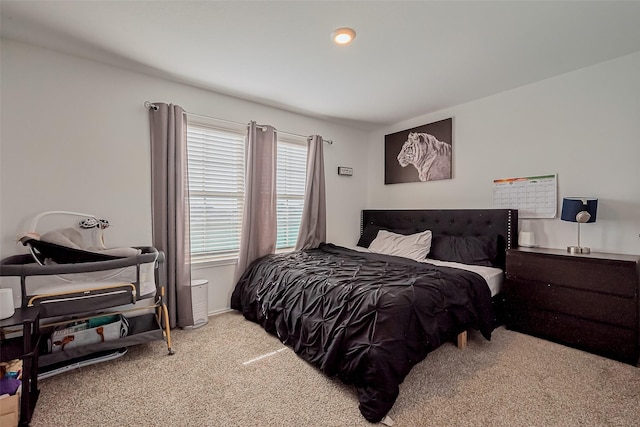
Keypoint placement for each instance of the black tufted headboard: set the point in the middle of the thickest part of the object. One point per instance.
(502, 223)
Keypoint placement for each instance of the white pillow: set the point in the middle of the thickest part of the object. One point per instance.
(414, 246)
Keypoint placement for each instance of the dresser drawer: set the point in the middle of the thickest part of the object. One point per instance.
(615, 277)
(609, 341)
(611, 309)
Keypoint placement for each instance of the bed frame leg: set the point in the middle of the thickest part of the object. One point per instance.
(462, 340)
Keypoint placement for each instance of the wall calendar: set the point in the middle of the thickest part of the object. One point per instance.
(533, 196)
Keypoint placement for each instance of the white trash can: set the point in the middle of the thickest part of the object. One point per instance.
(200, 302)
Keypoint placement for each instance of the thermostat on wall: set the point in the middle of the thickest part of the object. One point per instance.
(342, 170)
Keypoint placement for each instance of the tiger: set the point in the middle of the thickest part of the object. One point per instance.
(431, 157)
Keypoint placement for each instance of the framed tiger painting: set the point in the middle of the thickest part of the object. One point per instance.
(422, 153)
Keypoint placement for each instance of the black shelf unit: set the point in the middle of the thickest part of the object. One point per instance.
(23, 347)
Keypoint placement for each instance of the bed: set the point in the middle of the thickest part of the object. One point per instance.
(368, 315)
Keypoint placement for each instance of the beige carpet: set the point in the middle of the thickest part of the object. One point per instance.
(514, 380)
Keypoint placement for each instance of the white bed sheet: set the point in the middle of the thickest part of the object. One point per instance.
(492, 275)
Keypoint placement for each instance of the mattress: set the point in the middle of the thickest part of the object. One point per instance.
(492, 275)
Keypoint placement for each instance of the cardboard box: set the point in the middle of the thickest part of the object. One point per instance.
(9, 410)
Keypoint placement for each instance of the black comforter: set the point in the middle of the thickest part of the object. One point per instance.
(367, 318)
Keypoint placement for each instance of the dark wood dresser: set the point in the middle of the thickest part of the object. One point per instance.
(586, 301)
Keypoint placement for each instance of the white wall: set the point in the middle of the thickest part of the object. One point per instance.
(75, 136)
(584, 126)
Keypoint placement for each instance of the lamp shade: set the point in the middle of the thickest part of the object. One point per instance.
(573, 206)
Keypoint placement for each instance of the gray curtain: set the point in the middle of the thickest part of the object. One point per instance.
(313, 227)
(259, 220)
(170, 207)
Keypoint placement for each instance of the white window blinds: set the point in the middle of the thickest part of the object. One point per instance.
(290, 181)
(216, 191)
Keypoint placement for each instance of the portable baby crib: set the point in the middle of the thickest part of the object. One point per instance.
(94, 302)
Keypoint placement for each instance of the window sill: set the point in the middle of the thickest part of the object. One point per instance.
(208, 263)
(213, 262)
(284, 250)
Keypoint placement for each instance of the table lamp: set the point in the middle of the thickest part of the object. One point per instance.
(581, 210)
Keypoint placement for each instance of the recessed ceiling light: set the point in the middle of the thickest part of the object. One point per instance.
(343, 36)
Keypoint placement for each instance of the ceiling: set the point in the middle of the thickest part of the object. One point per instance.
(408, 58)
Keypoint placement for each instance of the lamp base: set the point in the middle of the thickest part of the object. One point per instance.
(578, 250)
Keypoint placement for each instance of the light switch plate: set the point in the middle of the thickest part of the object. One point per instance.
(342, 170)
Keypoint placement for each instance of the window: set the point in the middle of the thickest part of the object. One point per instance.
(216, 191)
(290, 180)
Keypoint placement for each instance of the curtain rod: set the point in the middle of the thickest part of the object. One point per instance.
(149, 105)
